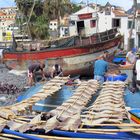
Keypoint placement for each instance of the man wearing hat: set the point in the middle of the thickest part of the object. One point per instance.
(131, 56)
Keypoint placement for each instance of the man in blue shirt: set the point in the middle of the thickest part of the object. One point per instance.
(100, 68)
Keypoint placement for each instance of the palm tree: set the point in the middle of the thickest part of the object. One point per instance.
(39, 29)
(24, 6)
(56, 9)
(34, 16)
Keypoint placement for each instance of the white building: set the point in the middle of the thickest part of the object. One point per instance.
(53, 25)
(0, 33)
(64, 31)
(7, 20)
(87, 21)
(112, 17)
(83, 22)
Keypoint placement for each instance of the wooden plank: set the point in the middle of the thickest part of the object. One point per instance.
(109, 130)
(123, 124)
(4, 138)
(11, 136)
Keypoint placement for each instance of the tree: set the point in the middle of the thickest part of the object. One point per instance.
(75, 8)
(34, 17)
(39, 29)
(56, 9)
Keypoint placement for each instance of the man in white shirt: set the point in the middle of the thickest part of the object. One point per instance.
(138, 71)
(136, 77)
(131, 56)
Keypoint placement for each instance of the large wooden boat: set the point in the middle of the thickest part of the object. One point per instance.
(74, 55)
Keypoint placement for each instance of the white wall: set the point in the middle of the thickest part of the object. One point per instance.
(73, 30)
(63, 31)
(1, 35)
(88, 30)
(53, 25)
(104, 22)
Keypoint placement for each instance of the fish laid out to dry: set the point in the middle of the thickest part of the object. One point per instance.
(66, 116)
(109, 106)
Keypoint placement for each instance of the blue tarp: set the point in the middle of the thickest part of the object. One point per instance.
(120, 77)
(132, 100)
(119, 59)
(55, 99)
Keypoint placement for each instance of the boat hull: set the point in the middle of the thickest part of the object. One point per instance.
(74, 60)
(135, 115)
(119, 135)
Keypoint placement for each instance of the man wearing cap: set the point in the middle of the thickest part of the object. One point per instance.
(131, 56)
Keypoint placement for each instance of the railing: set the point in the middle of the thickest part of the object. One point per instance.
(96, 38)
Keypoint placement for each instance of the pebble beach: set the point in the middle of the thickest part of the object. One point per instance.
(12, 84)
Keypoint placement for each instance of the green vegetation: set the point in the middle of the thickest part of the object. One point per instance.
(36, 14)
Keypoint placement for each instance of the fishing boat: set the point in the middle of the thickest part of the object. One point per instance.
(74, 54)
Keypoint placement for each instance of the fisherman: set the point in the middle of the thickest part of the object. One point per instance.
(100, 69)
(136, 76)
(131, 56)
(56, 70)
(32, 72)
(106, 55)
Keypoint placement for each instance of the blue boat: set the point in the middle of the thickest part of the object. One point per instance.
(119, 135)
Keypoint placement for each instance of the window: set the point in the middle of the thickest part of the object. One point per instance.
(93, 23)
(108, 11)
(72, 22)
(116, 23)
(130, 24)
(66, 31)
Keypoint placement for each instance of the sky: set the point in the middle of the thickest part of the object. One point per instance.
(126, 4)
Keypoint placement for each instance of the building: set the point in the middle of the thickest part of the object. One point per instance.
(114, 17)
(53, 26)
(7, 21)
(83, 22)
(88, 21)
(64, 30)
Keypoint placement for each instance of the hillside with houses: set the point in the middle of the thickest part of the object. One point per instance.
(90, 19)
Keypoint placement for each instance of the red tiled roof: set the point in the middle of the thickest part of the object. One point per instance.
(119, 13)
(2, 14)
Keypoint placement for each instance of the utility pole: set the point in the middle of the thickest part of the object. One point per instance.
(132, 25)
